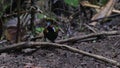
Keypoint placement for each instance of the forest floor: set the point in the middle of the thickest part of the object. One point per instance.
(108, 47)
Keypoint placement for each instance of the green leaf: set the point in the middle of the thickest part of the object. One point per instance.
(74, 3)
(39, 29)
(40, 16)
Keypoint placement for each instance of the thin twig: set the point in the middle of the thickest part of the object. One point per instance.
(18, 24)
(88, 36)
(91, 28)
(22, 12)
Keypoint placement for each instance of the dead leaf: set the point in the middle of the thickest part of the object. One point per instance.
(104, 12)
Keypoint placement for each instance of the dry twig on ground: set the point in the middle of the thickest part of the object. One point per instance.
(88, 36)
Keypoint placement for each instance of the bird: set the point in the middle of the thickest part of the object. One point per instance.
(50, 32)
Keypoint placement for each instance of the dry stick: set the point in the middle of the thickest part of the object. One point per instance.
(18, 24)
(66, 47)
(35, 44)
(105, 11)
(111, 16)
(91, 28)
(96, 30)
(80, 38)
(87, 4)
(22, 12)
(88, 36)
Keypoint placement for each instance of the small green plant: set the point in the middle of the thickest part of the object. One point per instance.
(74, 3)
(39, 29)
(3, 6)
(41, 16)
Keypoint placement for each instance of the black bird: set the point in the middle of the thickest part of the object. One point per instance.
(50, 33)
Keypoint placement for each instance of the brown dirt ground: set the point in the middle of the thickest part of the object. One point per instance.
(57, 58)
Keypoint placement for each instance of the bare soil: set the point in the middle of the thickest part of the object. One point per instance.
(108, 47)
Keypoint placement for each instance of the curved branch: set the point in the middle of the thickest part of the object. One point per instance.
(66, 47)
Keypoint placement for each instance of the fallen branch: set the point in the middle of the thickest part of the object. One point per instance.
(88, 36)
(22, 12)
(111, 16)
(104, 12)
(87, 4)
(66, 47)
(91, 28)
(82, 38)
